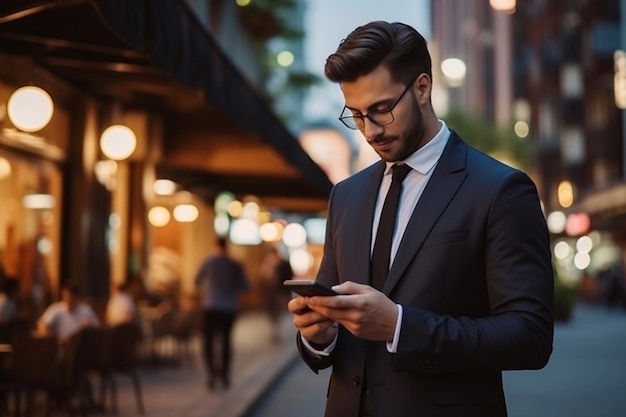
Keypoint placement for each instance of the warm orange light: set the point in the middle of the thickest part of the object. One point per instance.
(118, 142)
(565, 194)
(507, 6)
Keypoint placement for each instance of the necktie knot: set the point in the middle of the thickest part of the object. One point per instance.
(399, 172)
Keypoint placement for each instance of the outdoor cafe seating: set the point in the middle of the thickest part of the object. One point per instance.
(33, 364)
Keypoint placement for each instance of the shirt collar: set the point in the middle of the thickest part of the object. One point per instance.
(425, 158)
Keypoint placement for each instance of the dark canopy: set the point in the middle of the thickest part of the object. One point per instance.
(220, 134)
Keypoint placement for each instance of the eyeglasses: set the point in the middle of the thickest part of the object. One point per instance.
(378, 117)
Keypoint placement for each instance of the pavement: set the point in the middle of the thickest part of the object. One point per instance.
(179, 390)
(585, 376)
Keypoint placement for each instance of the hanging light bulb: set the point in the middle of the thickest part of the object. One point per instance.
(30, 108)
(118, 142)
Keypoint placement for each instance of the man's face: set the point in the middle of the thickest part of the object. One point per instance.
(70, 299)
(377, 92)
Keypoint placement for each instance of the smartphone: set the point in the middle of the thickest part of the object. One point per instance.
(308, 288)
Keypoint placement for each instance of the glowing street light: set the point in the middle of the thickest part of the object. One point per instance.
(454, 69)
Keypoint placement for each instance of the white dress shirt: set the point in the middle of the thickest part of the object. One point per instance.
(422, 162)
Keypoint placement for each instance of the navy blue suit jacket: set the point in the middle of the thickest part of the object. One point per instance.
(474, 276)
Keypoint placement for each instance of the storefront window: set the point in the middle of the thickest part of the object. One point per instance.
(30, 224)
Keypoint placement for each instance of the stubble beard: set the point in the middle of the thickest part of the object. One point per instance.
(410, 140)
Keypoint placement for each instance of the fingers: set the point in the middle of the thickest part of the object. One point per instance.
(352, 295)
(297, 305)
(321, 333)
(349, 287)
(312, 325)
(303, 315)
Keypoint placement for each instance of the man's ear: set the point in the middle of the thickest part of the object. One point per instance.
(423, 88)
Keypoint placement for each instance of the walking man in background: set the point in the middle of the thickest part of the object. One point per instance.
(220, 279)
(443, 292)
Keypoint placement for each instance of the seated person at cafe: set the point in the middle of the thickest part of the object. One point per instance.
(66, 317)
(121, 307)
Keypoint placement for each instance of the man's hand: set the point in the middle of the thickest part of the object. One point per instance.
(313, 326)
(361, 309)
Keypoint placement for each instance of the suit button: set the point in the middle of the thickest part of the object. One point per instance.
(356, 380)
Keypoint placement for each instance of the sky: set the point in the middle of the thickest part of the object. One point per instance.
(327, 22)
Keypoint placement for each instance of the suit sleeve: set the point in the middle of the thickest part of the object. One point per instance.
(517, 332)
(327, 275)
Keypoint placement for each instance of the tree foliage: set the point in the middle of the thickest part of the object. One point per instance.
(499, 142)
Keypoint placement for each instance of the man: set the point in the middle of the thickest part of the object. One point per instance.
(66, 317)
(467, 289)
(220, 279)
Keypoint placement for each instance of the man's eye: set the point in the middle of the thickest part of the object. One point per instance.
(378, 111)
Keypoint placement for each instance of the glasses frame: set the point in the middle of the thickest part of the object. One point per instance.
(359, 121)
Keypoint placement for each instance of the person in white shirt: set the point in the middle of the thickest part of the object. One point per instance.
(66, 317)
(121, 307)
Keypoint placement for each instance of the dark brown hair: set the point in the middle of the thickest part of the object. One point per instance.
(397, 46)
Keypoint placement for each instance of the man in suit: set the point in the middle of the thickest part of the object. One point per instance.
(468, 290)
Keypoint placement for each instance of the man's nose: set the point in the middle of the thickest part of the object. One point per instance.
(370, 129)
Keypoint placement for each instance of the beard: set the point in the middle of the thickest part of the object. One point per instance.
(408, 141)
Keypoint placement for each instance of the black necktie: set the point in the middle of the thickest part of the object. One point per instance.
(382, 247)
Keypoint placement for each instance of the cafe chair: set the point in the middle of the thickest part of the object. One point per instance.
(76, 357)
(35, 368)
(9, 388)
(123, 342)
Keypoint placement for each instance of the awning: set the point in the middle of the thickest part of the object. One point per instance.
(221, 135)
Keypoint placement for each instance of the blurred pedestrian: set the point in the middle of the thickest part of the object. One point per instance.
(433, 306)
(220, 279)
(66, 317)
(275, 270)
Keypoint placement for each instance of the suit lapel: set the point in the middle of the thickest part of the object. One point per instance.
(441, 188)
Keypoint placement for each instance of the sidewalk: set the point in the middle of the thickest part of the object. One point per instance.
(180, 391)
(586, 374)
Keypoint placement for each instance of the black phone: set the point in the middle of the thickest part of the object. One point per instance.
(308, 288)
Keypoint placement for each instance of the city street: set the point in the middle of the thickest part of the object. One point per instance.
(586, 376)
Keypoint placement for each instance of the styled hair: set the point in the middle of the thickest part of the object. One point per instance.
(397, 46)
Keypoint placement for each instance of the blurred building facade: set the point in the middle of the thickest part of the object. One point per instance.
(545, 72)
(72, 213)
(480, 37)
(565, 71)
